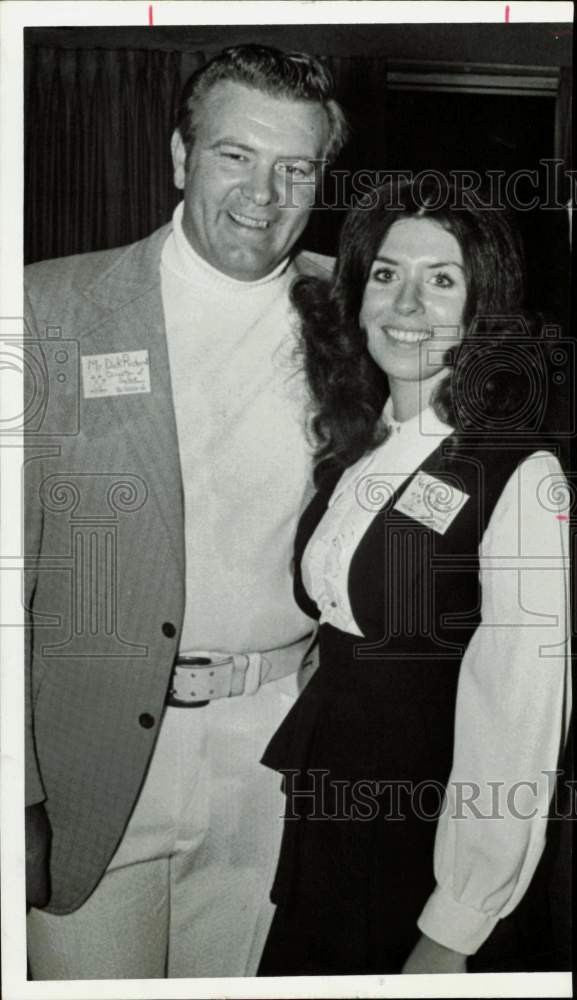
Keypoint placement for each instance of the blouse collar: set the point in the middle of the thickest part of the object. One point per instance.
(417, 437)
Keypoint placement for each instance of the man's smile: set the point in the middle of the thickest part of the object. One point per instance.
(248, 222)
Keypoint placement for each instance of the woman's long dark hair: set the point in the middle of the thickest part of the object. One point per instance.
(494, 378)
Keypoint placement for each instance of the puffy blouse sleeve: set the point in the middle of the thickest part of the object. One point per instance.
(513, 702)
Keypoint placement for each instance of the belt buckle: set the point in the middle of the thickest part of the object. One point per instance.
(192, 678)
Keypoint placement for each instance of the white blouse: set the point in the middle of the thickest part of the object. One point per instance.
(513, 696)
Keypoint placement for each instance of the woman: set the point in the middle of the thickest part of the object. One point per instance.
(414, 757)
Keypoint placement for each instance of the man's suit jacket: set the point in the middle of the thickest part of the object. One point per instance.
(105, 552)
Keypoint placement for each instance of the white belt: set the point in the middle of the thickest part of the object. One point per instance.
(200, 676)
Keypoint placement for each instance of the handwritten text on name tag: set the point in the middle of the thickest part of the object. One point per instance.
(115, 374)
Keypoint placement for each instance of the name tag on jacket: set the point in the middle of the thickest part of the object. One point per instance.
(432, 502)
(116, 374)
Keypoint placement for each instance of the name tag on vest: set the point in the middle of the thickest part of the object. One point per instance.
(119, 374)
(431, 502)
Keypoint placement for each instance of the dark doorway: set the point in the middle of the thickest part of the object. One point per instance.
(480, 133)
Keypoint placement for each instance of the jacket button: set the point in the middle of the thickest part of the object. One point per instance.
(169, 630)
(146, 720)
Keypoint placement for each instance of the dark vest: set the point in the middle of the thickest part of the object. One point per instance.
(415, 592)
(416, 596)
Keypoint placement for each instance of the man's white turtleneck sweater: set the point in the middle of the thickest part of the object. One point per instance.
(244, 457)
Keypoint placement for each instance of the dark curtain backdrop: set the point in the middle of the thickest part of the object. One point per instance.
(97, 131)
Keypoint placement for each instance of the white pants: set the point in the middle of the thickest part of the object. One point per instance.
(187, 892)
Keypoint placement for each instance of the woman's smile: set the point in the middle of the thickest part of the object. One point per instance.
(408, 337)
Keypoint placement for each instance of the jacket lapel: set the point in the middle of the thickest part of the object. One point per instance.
(129, 297)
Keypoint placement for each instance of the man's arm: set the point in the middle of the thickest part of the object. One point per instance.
(37, 826)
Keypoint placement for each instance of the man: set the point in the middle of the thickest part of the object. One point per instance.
(165, 644)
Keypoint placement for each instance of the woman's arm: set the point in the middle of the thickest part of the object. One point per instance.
(511, 714)
(431, 957)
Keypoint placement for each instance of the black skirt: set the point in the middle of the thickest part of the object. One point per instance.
(364, 765)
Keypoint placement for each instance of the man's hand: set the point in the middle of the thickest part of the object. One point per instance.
(38, 837)
(430, 956)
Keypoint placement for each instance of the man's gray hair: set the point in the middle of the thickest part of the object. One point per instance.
(296, 76)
